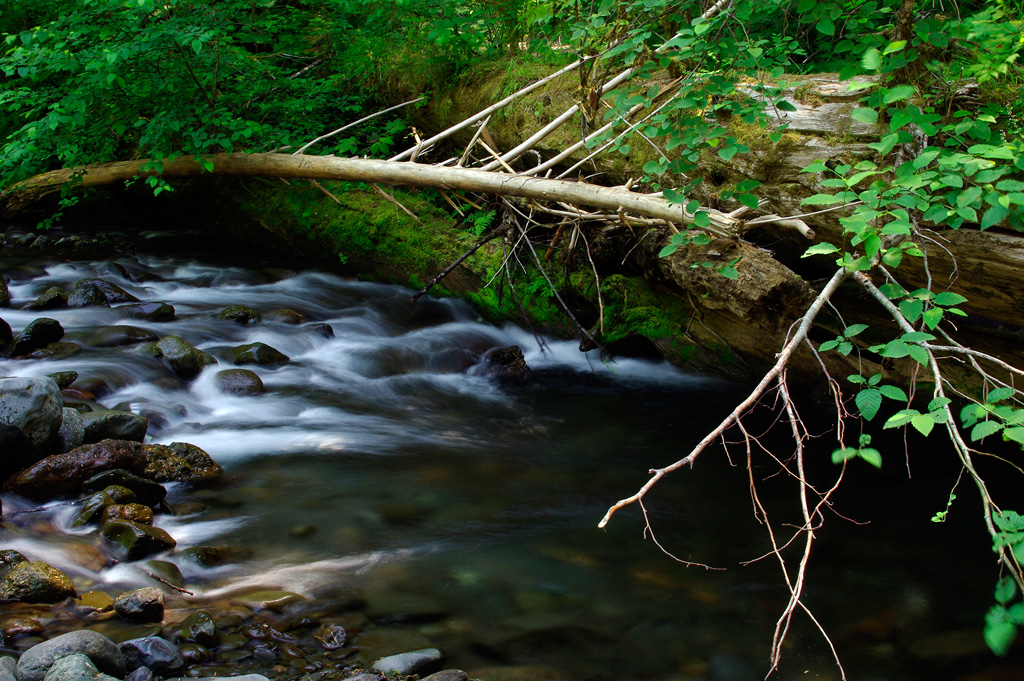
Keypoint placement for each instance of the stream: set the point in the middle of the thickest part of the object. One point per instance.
(389, 477)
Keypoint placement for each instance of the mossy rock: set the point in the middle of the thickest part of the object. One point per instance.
(36, 582)
(259, 353)
(240, 314)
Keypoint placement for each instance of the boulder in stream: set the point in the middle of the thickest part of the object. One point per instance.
(141, 605)
(63, 474)
(94, 505)
(5, 293)
(507, 362)
(147, 492)
(31, 412)
(77, 667)
(183, 359)
(37, 335)
(240, 314)
(151, 312)
(8, 559)
(71, 433)
(114, 425)
(121, 335)
(138, 541)
(87, 294)
(112, 293)
(180, 462)
(6, 339)
(259, 353)
(37, 660)
(414, 662)
(51, 299)
(36, 582)
(153, 652)
(239, 382)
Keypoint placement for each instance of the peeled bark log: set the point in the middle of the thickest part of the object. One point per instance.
(290, 166)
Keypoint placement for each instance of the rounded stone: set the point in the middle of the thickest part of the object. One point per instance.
(63, 474)
(77, 667)
(151, 312)
(180, 462)
(259, 353)
(240, 314)
(31, 411)
(138, 541)
(114, 425)
(88, 294)
(153, 652)
(146, 491)
(111, 292)
(120, 335)
(285, 315)
(239, 382)
(198, 628)
(64, 379)
(71, 433)
(37, 660)
(183, 359)
(16, 626)
(420, 662)
(136, 513)
(36, 582)
(93, 507)
(51, 299)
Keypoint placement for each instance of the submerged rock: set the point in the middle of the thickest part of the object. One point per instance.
(151, 312)
(88, 294)
(239, 382)
(71, 433)
(37, 660)
(138, 541)
(121, 335)
(180, 462)
(36, 582)
(64, 379)
(508, 362)
(259, 353)
(148, 492)
(31, 412)
(94, 505)
(112, 293)
(38, 334)
(8, 559)
(63, 474)
(414, 662)
(198, 628)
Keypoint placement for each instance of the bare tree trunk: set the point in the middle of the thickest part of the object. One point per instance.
(287, 166)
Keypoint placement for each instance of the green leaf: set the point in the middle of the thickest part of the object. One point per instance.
(843, 454)
(918, 354)
(898, 93)
(923, 423)
(871, 60)
(947, 298)
(820, 249)
(917, 337)
(727, 153)
(999, 637)
(893, 393)
(999, 394)
(197, 46)
(868, 402)
(869, 116)
(984, 429)
(925, 157)
(854, 329)
(1006, 589)
(871, 455)
(826, 26)
(901, 418)
(932, 317)
(748, 200)
(701, 219)
(895, 349)
(886, 144)
(828, 345)
(729, 272)
(668, 250)
(1015, 434)
(993, 216)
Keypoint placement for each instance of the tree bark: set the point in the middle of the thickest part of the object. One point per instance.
(289, 166)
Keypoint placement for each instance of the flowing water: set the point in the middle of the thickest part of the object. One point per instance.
(386, 473)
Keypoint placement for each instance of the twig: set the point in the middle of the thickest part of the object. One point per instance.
(396, 202)
(480, 242)
(343, 128)
(166, 583)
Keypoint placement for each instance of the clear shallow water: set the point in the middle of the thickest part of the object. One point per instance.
(385, 466)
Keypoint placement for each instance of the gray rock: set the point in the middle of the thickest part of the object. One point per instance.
(38, 334)
(6, 339)
(76, 667)
(140, 674)
(198, 628)
(36, 582)
(241, 677)
(115, 425)
(112, 292)
(239, 382)
(183, 359)
(121, 335)
(414, 662)
(160, 656)
(258, 353)
(87, 294)
(31, 411)
(8, 664)
(64, 379)
(38, 659)
(71, 433)
(138, 541)
(448, 675)
(151, 312)
(53, 298)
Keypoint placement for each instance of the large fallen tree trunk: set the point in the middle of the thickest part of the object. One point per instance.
(291, 166)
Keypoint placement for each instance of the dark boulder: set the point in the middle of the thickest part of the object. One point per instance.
(240, 314)
(64, 379)
(31, 411)
(90, 512)
(51, 299)
(112, 292)
(141, 605)
(507, 362)
(71, 433)
(182, 358)
(88, 294)
(259, 353)
(37, 335)
(151, 312)
(137, 541)
(146, 491)
(121, 335)
(153, 652)
(6, 339)
(38, 659)
(63, 474)
(114, 425)
(239, 382)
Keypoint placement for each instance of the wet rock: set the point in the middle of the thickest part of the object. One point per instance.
(55, 351)
(180, 462)
(198, 628)
(323, 330)
(414, 662)
(285, 315)
(31, 412)
(5, 293)
(64, 379)
(259, 353)
(93, 507)
(37, 660)
(95, 600)
(448, 675)
(87, 294)
(63, 474)
(136, 513)
(240, 314)
(137, 541)
(121, 335)
(161, 656)
(507, 362)
(36, 582)
(112, 292)
(52, 299)
(140, 674)
(331, 636)
(114, 425)
(239, 382)
(207, 556)
(274, 601)
(6, 339)
(8, 559)
(75, 667)
(183, 359)
(151, 312)
(71, 433)
(17, 626)
(146, 491)
(165, 572)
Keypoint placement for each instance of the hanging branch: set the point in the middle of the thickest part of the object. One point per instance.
(503, 227)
